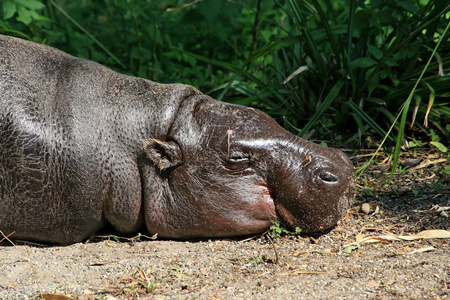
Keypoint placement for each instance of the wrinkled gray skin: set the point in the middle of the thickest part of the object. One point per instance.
(82, 146)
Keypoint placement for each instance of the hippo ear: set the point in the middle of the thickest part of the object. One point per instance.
(163, 154)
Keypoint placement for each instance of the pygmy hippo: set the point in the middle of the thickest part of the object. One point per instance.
(82, 146)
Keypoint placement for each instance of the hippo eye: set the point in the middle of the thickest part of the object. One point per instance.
(328, 177)
(238, 161)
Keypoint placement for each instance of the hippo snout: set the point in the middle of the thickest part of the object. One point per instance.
(319, 192)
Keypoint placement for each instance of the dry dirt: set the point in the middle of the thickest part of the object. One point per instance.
(290, 267)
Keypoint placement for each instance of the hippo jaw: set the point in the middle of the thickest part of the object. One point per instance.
(232, 170)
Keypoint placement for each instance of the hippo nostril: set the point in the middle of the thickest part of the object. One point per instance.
(328, 177)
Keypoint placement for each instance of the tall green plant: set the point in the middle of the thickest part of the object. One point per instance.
(333, 70)
(338, 66)
(138, 37)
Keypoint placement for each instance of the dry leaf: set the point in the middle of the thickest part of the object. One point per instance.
(55, 297)
(426, 234)
(354, 210)
(296, 72)
(373, 284)
(375, 208)
(392, 281)
(440, 210)
(359, 237)
(425, 249)
(433, 234)
(428, 162)
(310, 272)
(296, 272)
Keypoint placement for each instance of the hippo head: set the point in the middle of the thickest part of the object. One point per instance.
(228, 170)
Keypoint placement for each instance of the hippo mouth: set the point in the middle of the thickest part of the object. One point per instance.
(268, 200)
(261, 208)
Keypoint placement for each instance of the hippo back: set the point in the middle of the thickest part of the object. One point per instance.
(71, 134)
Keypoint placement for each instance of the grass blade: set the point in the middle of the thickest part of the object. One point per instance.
(87, 33)
(334, 92)
(405, 108)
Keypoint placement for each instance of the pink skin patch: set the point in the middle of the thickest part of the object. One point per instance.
(256, 214)
(268, 202)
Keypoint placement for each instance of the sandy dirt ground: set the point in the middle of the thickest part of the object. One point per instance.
(365, 257)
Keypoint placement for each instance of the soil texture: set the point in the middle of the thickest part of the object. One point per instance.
(391, 245)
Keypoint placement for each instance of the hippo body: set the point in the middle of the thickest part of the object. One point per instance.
(82, 146)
